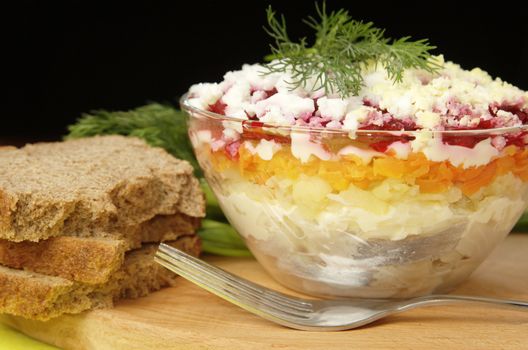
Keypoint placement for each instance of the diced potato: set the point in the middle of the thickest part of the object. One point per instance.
(391, 190)
(365, 200)
(310, 189)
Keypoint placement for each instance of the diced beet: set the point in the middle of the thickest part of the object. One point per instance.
(517, 140)
(391, 125)
(271, 92)
(381, 146)
(253, 123)
(368, 103)
(516, 109)
(316, 106)
(522, 114)
(251, 117)
(485, 124)
(325, 121)
(218, 107)
(468, 141)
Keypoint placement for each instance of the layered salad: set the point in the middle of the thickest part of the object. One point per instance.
(398, 189)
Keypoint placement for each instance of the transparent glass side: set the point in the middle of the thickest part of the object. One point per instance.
(367, 223)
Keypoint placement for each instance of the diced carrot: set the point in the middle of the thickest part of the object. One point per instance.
(389, 167)
(505, 165)
(431, 177)
(485, 178)
(433, 185)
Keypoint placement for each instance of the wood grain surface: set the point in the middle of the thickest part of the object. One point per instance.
(187, 317)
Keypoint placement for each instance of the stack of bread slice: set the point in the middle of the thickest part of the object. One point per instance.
(80, 221)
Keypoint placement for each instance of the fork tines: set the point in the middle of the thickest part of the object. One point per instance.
(246, 294)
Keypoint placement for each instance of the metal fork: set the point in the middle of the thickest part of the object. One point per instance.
(293, 312)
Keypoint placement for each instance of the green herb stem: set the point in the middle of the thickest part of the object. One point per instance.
(342, 48)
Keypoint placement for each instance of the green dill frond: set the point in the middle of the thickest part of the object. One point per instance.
(341, 49)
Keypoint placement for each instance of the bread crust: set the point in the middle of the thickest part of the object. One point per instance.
(41, 297)
(87, 260)
(92, 260)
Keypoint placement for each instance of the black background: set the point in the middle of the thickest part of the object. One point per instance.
(66, 58)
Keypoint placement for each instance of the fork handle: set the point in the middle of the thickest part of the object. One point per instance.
(446, 299)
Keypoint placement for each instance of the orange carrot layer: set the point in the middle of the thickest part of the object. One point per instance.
(431, 177)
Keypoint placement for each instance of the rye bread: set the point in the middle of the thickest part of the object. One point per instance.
(163, 228)
(91, 185)
(87, 260)
(41, 297)
(92, 260)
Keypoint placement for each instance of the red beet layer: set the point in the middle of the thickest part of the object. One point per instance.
(389, 123)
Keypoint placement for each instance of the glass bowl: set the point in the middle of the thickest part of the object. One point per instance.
(359, 214)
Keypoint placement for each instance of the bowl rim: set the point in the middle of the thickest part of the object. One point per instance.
(186, 106)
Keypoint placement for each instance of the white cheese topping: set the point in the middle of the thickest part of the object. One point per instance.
(453, 98)
(283, 108)
(205, 94)
(428, 120)
(334, 108)
(356, 116)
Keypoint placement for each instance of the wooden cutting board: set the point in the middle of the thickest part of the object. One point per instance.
(187, 317)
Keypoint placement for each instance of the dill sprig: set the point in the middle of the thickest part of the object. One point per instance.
(343, 47)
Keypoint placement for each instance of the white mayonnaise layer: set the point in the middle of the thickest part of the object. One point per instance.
(303, 148)
(265, 149)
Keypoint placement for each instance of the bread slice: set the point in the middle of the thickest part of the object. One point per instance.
(92, 260)
(163, 228)
(85, 186)
(86, 260)
(158, 229)
(41, 297)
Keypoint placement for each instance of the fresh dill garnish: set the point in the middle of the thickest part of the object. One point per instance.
(343, 47)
